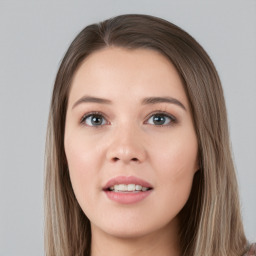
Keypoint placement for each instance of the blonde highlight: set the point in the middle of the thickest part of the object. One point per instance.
(210, 221)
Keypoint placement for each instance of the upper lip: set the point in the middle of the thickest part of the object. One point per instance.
(127, 180)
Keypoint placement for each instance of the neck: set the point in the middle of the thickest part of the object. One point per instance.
(161, 243)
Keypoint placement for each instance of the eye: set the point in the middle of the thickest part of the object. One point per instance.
(94, 120)
(161, 119)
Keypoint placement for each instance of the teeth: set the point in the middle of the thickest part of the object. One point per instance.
(131, 187)
(138, 187)
(128, 188)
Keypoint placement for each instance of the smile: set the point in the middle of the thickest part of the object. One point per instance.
(128, 188)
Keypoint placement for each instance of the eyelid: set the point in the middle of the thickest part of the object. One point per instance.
(164, 113)
(160, 112)
(86, 115)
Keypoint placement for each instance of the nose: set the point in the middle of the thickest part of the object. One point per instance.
(126, 146)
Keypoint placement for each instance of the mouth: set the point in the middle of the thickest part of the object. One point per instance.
(127, 190)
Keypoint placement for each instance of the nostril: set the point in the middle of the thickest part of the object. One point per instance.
(115, 159)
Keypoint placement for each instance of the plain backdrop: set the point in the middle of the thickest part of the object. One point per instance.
(33, 38)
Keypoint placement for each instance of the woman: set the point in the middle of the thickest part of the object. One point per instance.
(138, 158)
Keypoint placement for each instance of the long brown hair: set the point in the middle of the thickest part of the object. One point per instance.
(210, 221)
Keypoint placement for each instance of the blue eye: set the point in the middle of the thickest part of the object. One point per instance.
(160, 119)
(94, 120)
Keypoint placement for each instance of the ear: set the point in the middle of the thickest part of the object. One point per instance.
(198, 164)
(65, 161)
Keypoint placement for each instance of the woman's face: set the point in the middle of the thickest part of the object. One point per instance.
(130, 142)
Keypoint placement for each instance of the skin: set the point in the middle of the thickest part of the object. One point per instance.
(130, 143)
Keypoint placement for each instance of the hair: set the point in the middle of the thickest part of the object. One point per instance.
(210, 222)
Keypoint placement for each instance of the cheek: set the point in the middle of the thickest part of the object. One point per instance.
(177, 156)
(81, 164)
(77, 155)
(176, 168)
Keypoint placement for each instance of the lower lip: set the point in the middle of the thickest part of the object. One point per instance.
(128, 197)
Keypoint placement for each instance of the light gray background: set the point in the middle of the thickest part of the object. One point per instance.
(33, 38)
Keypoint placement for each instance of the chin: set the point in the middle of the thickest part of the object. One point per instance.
(133, 229)
(128, 233)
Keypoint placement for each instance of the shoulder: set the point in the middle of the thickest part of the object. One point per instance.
(252, 251)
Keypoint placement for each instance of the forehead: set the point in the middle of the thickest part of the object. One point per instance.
(116, 72)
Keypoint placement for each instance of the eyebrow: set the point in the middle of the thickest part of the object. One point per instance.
(156, 100)
(90, 99)
(146, 101)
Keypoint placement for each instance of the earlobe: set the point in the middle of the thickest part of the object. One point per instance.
(198, 165)
(65, 161)
(196, 170)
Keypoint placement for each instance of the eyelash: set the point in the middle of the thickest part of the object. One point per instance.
(94, 113)
(173, 119)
